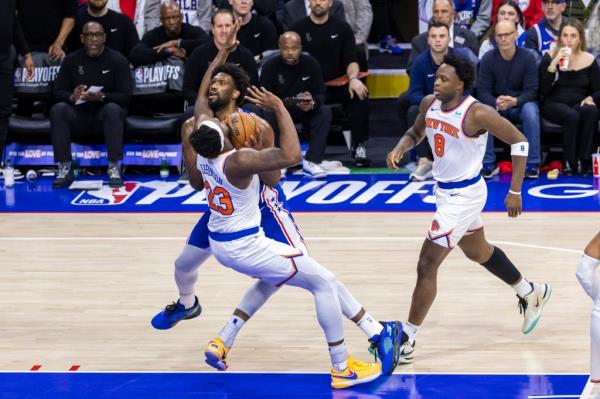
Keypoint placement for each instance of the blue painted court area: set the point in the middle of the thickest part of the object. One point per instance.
(83, 385)
(354, 193)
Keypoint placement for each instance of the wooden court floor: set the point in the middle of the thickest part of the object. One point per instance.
(82, 288)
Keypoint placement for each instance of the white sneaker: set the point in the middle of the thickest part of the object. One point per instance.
(313, 170)
(331, 165)
(533, 303)
(407, 351)
(423, 171)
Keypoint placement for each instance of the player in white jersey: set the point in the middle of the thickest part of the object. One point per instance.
(588, 278)
(226, 85)
(232, 188)
(456, 126)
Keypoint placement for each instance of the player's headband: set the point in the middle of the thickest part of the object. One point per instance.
(215, 125)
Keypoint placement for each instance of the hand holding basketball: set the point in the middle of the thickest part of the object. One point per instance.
(243, 129)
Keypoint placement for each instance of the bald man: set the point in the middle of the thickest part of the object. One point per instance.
(92, 91)
(172, 38)
(297, 79)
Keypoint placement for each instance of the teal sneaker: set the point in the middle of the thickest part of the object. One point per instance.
(174, 313)
(386, 346)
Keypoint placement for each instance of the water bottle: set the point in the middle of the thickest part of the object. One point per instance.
(31, 175)
(164, 169)
(9, 174)
(76, 168)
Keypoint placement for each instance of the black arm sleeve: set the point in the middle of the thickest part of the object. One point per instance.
(190, 44)
(349, 47)
(63, 86)
(69, 8)
(143, 53)
(132, 37)
(546, 78)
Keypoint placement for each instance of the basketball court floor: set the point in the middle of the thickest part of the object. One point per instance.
(83, 272)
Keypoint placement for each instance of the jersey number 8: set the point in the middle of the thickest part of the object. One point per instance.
(439, 142)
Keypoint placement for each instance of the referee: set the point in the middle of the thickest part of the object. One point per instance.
(10, 35)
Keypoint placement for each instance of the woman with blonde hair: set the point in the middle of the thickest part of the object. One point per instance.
(570, 90)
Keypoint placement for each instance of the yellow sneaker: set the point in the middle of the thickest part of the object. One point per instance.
(357, 372)
(215, 353)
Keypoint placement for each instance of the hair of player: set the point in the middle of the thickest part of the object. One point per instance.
(206, 141)
(464, 69)
(240, 79)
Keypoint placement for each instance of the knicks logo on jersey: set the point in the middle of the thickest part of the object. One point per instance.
(435, 226)
(442, 126)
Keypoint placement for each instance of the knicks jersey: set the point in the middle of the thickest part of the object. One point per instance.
(456, 156)
(231, 209)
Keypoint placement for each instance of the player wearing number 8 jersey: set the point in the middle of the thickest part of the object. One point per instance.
(456, 127)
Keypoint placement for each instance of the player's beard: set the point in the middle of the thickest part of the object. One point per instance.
(218, 104)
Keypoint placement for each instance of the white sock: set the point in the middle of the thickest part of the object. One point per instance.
(369, 326)
(523, 287)
(339, 356)
(586, 274)
(231, 330)
(411, 330)
(187, 300)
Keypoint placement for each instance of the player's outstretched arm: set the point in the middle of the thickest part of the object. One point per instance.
(413, 136)
(483, 117)
(189, 156)
(201, 107)
(247, 162)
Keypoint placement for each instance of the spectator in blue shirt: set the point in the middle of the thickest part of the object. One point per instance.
(508, 81)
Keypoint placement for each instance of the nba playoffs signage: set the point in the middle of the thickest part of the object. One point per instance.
(45, 73)
(95, 155)
(160, 77)
(381, 193)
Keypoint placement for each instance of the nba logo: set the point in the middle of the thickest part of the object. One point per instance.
(139, 75)
(106, 195)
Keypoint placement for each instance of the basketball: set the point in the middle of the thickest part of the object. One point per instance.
(242, 125)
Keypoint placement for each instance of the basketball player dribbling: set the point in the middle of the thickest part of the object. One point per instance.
(221, 92)
(586, 274)
(456, 126)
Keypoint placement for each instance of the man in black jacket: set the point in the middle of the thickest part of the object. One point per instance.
(92, 91)
(297, 79)
(257, 33)
(295, 10)
(10, 34)
(172, 38)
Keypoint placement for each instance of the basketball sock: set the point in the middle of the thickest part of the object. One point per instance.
(523, 287)
(186, 269)
(370, 326)
(595, 343)
(231, 330)
(586, 274)
(187, 300)
(411, 331)
(339, 356)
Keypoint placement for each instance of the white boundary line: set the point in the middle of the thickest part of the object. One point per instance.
(587, 390)
(268, 372)
(552, 396)
(333, 238)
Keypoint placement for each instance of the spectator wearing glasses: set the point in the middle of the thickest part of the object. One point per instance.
(541, 36)
(92, 91)
(508, 10)
(508, 81)
(172, 38)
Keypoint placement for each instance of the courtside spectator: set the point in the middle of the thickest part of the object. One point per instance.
(475, 15)
(257, 33)
(172, 38)
(570, 95)
(532, 11)
(543, 34)
(296, 78)
(359, 15)
(508, 81)
(92, 91)
(509, 11)
(198, 62)
(196, 13)
(296, 10)
(331, 42)
(120, 32)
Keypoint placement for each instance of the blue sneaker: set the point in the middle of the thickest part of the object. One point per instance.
(174, 313)
(389, 45)
(386, 346)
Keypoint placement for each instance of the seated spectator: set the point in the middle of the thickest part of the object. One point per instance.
(508, 81)
(257, 33)
(570, 92)
(359, 15)
(196, 13)
(171, 38)
(296, 78)
(331, 42)
(475, 15)
(296, 10)
(81, 109)
(422, 79)
(509, 11)
(543, 34)
(531, 10)
(47, 24)
(120, 32)
(222, 22)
